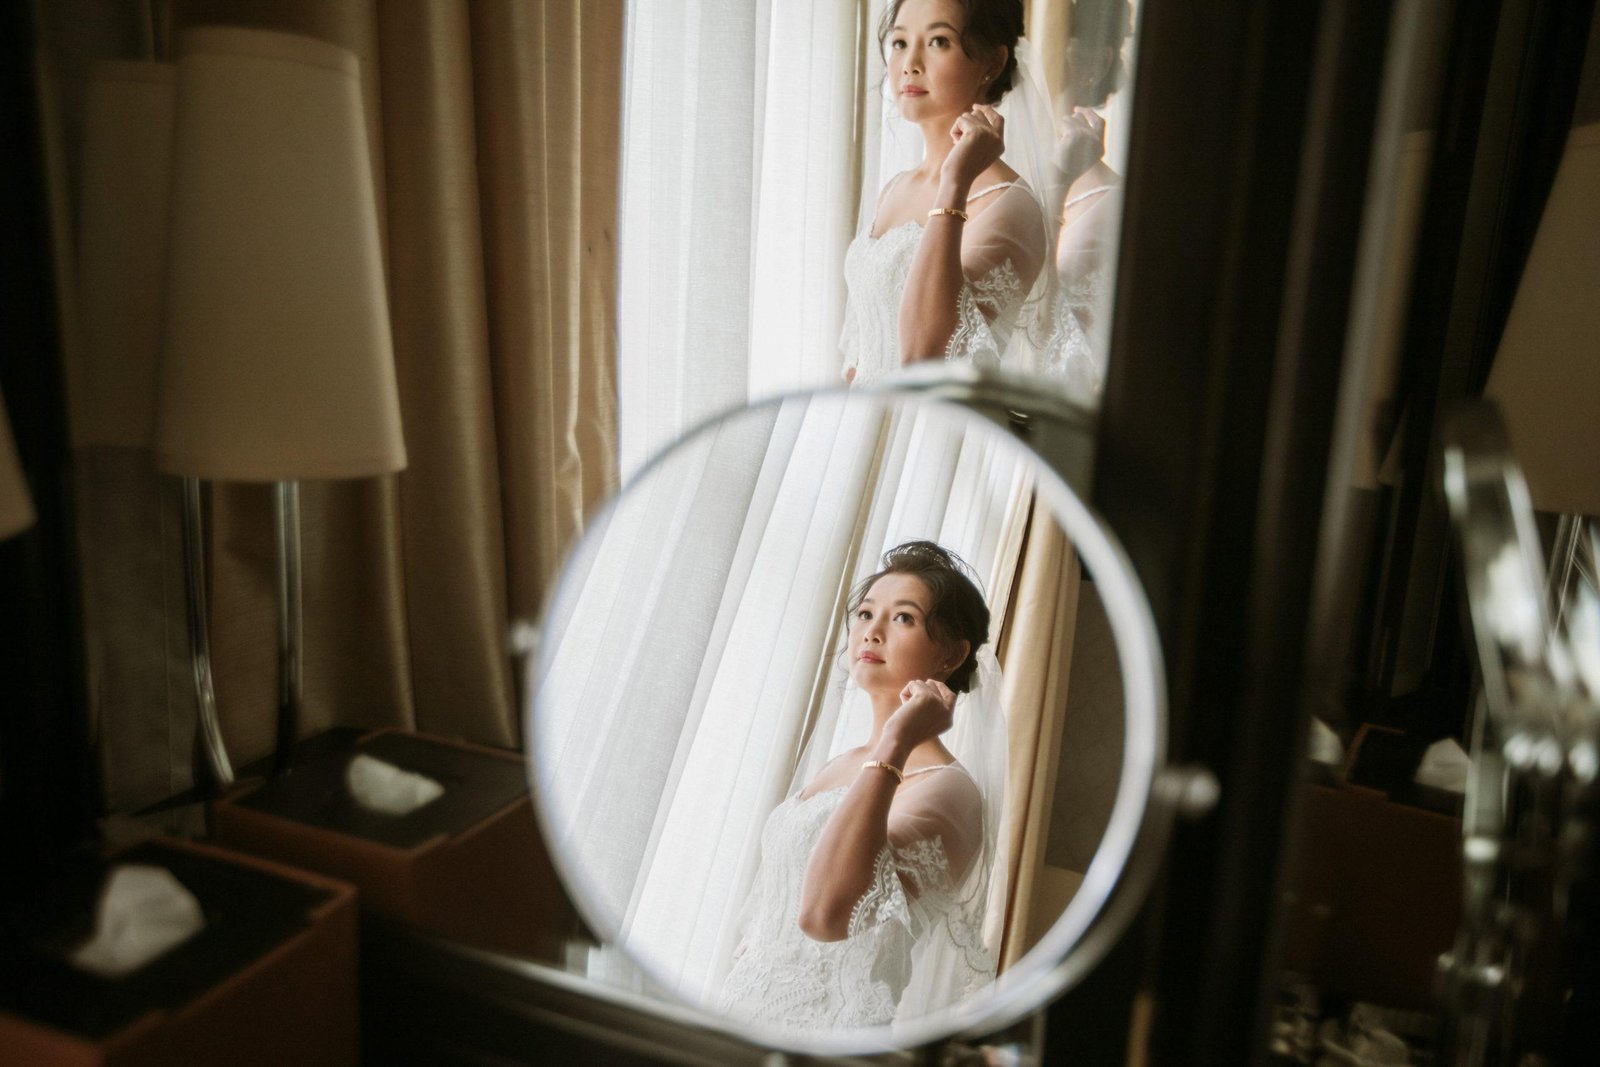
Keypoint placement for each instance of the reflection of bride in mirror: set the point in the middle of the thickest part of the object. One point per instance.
(1091, 206)
(948, 264)
(869, 899)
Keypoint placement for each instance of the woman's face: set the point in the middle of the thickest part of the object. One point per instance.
(931, 74)
(889, 640)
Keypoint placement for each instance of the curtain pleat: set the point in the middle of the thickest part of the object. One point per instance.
(1049, 24)
(747, 127)
(1039, 629)
(807, 190)
(141, 693)
(547, 151)
(450, 505)
(692, 120)
(595, 128)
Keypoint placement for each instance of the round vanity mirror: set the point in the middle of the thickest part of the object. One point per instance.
(847, 722)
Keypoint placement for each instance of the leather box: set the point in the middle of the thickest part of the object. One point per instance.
(1375, 896)
(470, 865)
(271, 979)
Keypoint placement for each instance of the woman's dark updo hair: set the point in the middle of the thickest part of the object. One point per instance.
(1099, 27)
(990, 24)
(956, 609)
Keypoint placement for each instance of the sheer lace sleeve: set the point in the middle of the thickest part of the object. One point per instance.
(1002, 252)
(935, 832)
(1085, 259)
(1004, 249)
(784, 977)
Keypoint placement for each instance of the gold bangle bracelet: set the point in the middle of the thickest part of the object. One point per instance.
(899, 775)
(957, 212)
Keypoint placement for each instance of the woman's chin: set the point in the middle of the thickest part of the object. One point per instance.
(873, 678)
(919, 109)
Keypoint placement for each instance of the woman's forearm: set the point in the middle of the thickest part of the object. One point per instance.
(841, 867)
(928, 305)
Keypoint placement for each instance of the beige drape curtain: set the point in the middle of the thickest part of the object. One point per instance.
(494, 135)
(1049, 25)
(1040, 624)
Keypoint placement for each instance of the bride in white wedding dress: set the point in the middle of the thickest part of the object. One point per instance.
(954, 261)
(1091, 209)
(869, 900)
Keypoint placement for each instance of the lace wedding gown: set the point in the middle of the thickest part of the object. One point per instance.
(781, 977)
(1002, 252)
(1086, 257)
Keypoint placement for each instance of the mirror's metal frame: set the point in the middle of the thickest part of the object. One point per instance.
(1148, 793)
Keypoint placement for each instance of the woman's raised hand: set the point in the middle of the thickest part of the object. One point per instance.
(927, 709)
(979, 137)
(1082, 143)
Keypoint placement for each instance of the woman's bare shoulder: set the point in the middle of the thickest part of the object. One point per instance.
(999, 172)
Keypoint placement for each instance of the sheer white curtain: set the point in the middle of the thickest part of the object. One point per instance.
(741, 150)
(696, 636)
(667, 714)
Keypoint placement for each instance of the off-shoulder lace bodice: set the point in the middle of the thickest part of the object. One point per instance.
(1002, 253)
(781, 977)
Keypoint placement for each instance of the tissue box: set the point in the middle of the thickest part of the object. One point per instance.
(271, 978)
(469, 866)
(1375, 896)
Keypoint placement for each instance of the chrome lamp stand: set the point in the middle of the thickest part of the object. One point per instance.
(198, 604)
(286, 531)
(288, 583)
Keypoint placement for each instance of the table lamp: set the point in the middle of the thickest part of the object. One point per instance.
(277, 363)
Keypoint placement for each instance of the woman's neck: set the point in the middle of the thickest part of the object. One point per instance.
(884, 705)
(936, 145)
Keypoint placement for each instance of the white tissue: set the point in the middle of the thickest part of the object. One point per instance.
(143, 912)
(1445, 766)
(1325, 746)
(389, 790)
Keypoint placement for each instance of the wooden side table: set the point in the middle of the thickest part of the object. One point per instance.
(271, 979)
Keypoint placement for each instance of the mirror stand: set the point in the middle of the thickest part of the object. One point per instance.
(1535, 780)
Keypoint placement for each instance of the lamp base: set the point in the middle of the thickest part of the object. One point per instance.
(286, 531)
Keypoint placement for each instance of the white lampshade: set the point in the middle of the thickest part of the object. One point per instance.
(16, 507)
(1546, 376)
(277, 362)
(122, 241)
